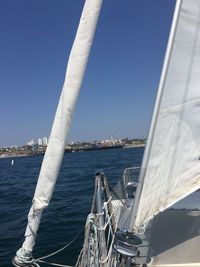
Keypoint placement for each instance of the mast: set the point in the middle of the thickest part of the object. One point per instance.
(148, 147)
(53, 157)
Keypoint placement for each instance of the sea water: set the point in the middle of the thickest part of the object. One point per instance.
(71, 202)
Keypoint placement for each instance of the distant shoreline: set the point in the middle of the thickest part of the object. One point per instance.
(133, 146)
(19, 154)
(32, 154)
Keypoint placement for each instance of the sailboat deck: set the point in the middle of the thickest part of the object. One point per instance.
(172, 238)
(121, 212)
(174, 235)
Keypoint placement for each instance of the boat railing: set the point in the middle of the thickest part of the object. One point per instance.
(125, 188)
(109, 211)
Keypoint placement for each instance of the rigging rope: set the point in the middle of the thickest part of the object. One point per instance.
(79, 258)
(53, 263)
(108, 222)
(109, 252)
(41, 259)
(61, 249)
(94, 238)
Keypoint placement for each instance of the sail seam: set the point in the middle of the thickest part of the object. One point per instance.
(186, 105)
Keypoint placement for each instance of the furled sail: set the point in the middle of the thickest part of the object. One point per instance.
(171, 164)
(52, 160)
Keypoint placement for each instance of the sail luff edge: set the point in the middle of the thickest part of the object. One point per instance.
(133, 213)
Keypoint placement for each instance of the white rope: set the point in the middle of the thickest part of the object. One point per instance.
(53, 263)
(109, 232)
(105, 226)
(90, 221)
(59, 250)
(79, 257)
(100, 214)
(107, 215)
(27, 262)
(109, 252)
(106, 203)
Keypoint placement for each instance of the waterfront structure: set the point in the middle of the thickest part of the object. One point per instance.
(42, 141)
(30, 143)
(39, 141)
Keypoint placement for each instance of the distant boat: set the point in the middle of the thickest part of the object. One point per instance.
(141, 222)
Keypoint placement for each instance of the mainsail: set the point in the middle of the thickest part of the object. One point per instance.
(171, 165)
(62, 122)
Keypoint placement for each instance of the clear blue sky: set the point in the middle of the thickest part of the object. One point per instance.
(122, 76)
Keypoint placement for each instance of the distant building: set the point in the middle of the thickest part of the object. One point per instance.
(105, 142)
(42, 141)
(39, 141)
(30, 143)
(111, 141)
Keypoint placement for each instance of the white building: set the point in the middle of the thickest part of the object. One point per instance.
(42, 141)
(31, 143)
(39, 141)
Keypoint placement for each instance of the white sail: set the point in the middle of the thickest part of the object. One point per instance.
(62, 122)
(171, 165)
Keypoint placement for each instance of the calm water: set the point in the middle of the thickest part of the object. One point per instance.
(70, 205)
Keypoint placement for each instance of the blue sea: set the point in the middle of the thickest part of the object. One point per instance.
(71, 202)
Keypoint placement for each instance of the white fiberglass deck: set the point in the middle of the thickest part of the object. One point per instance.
(174, 235)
